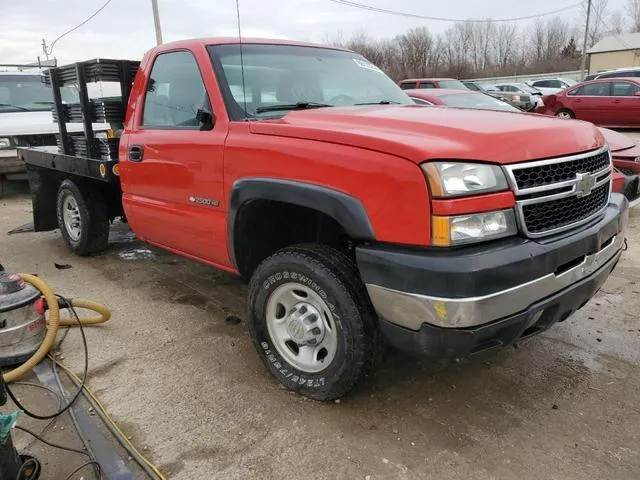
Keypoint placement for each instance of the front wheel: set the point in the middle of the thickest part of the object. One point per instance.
(565, 113)
(312, 322)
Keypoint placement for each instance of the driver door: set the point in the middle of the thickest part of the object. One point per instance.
(172, 170)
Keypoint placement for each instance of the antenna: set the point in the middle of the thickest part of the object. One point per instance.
(244, 91)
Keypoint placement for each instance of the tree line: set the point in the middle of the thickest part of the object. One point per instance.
(470, 50)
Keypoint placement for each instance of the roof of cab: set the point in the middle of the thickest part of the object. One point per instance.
(235, 40)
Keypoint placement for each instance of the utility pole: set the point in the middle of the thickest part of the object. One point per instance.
(156, 21)
(583, 62)
(44, 48)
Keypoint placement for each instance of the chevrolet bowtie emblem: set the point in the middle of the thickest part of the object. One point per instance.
(584, 184)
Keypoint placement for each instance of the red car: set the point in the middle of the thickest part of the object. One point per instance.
(625, 152)
(611, 102)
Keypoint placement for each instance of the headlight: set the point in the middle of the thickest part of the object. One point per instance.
(448, 179)
(5, 143)
(476, 227)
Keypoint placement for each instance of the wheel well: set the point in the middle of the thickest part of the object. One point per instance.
(262, 227)
(44, 184)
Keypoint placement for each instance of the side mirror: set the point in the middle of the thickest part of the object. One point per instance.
(637, 94)
(205, 118)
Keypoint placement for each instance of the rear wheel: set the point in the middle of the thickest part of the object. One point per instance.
(565, 113)
(82, 218)
(312, 322)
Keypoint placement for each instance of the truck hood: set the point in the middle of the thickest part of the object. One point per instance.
(34, 123)
(420, 133)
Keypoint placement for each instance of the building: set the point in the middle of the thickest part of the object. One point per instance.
(615, 51)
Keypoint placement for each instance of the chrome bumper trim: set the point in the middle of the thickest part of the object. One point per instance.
(411, 310)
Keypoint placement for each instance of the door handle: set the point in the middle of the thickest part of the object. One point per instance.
(135, 153)
(616, 101)
(577, 100)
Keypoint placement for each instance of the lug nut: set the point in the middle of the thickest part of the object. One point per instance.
(316, 331)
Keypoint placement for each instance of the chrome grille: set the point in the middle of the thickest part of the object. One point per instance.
(562, 193)
(540, 217)
(559, 171)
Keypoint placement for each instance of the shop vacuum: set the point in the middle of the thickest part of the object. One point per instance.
(22, 321)
(22, 329)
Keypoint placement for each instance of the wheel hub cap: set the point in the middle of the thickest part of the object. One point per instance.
(301, 327)
(304, 325)
(71, 217)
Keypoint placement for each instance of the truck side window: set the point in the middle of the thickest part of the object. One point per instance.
(175, 92)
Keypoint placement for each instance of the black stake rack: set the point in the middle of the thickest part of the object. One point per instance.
(89, 111)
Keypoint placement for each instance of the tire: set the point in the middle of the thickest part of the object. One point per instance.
(86, 230)
(332, 285)
(565, 113)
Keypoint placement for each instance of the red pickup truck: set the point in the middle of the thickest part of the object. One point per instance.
(358, 217)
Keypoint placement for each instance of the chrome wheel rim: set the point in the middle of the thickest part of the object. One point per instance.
(71, 218)
(564, 115)
(301, 327)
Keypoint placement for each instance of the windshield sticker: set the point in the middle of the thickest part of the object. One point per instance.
(364, 64)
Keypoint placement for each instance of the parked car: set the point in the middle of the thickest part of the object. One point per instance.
(630, 72)
(625, 152)
(626, 162)
(549, 86)
(461, 99)
(605, 102)
(473, 86)
(522, 88)
(413, 83)
(522, 101)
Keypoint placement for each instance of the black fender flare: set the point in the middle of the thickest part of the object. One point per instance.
(348, 211)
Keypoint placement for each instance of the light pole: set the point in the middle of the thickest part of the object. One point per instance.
(156, 21)
(583, 62)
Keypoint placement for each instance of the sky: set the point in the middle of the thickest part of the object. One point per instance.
(124, 29)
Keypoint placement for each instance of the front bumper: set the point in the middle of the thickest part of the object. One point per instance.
(515, 283)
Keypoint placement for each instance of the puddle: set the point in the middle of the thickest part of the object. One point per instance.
(137, 254)
(121, 233)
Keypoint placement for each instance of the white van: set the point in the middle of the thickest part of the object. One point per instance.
(26, 120)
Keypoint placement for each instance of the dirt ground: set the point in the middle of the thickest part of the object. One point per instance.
(192, 393)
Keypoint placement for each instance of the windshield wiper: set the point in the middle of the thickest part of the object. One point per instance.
(14, 106)
(291, 106)
(381, 102)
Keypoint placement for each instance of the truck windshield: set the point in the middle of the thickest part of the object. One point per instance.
(19, 93)
(281, 75)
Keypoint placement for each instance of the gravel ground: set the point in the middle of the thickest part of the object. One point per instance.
(191, 391)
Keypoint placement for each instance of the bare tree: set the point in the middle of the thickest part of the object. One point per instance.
(598, 25)
(468, 49)
(504, 45)
(632, 9)
(416, 49)
(616, 23)
(557, 36)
